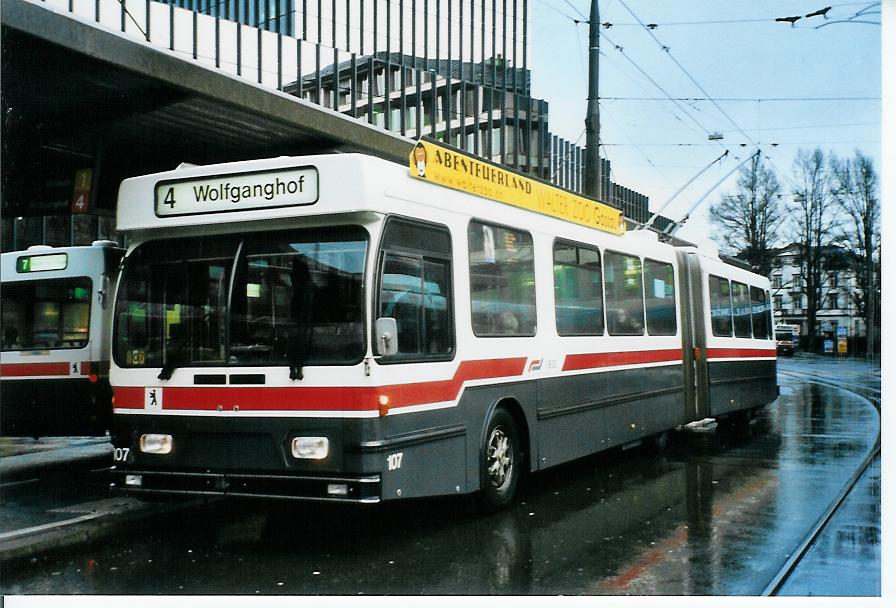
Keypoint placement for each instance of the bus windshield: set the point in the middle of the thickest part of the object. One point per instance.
(784, 335)
(273, 298)
(46, 314)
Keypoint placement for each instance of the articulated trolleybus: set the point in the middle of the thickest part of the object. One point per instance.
(54, 364)
(341, 328)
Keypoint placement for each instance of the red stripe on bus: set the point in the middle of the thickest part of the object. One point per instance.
(351, 398)
(127, 397)
(10, 370)
(739, 353)
(597, 360)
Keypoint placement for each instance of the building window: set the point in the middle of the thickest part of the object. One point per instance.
(832, 301)
(272, 15)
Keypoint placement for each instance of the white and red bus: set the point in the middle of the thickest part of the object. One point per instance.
(787, 338)
(56, 315)
(337, 327)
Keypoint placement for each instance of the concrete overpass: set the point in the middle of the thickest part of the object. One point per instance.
(76, 95)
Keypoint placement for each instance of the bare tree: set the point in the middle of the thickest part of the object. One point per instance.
(814, 213)
(854, 183)
(750, 217)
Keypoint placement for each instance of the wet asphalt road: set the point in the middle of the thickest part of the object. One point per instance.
(716, 514)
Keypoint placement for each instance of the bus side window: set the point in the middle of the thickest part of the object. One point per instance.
(502, 281)
(720, 306)
(740, 295)
(760, 307)
(578, 290)
(400, 299)
(625, 294)
(659, 280)
(415, 288)
(436, 315)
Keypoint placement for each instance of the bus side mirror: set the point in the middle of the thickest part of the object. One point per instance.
(104, 291)
(386, 334)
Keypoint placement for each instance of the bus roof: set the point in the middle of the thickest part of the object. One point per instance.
(304, 186)
(45, 262)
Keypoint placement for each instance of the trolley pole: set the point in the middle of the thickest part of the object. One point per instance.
(593, 178)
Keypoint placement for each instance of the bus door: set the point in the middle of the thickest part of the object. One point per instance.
(693, 338)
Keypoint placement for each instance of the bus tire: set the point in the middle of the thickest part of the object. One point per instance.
(659, 442)
(501, 461)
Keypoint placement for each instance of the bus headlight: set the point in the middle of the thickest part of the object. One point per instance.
(153, 443)
(310, 448)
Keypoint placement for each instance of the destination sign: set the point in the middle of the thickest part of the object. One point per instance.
(42, 263)
(241, 192)
(446, 167)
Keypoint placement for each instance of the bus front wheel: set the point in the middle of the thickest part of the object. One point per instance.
(501, 461)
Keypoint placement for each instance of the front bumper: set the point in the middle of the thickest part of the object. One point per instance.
(362, 489)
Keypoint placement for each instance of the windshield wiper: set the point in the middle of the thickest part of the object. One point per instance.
(301, 309)
(171, 364)
(174, 356)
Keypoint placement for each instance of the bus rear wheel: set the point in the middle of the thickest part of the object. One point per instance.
(657, 443)
(501, 461)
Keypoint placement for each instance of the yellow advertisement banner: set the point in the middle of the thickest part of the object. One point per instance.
(446, 167)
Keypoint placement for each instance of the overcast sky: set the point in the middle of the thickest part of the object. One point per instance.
(758, 82)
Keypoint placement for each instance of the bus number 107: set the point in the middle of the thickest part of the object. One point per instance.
(394, 461)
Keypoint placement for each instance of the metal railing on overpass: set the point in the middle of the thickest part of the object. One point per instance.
(381, 89)
(481, 108)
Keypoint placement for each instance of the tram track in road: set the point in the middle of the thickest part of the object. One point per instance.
(873, 396)
(869, 392)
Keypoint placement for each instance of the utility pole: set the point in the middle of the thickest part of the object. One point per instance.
(593, 178)
(872, 300)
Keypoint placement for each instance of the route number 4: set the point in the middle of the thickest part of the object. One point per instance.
(394, 461)
(169, 198)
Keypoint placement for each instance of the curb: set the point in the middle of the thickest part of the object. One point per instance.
(102, 526)
(14, 468)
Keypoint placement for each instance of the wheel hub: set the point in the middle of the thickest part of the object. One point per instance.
(500, 459)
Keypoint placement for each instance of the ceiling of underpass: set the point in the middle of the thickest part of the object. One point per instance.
(64, 98)
(75, 96)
